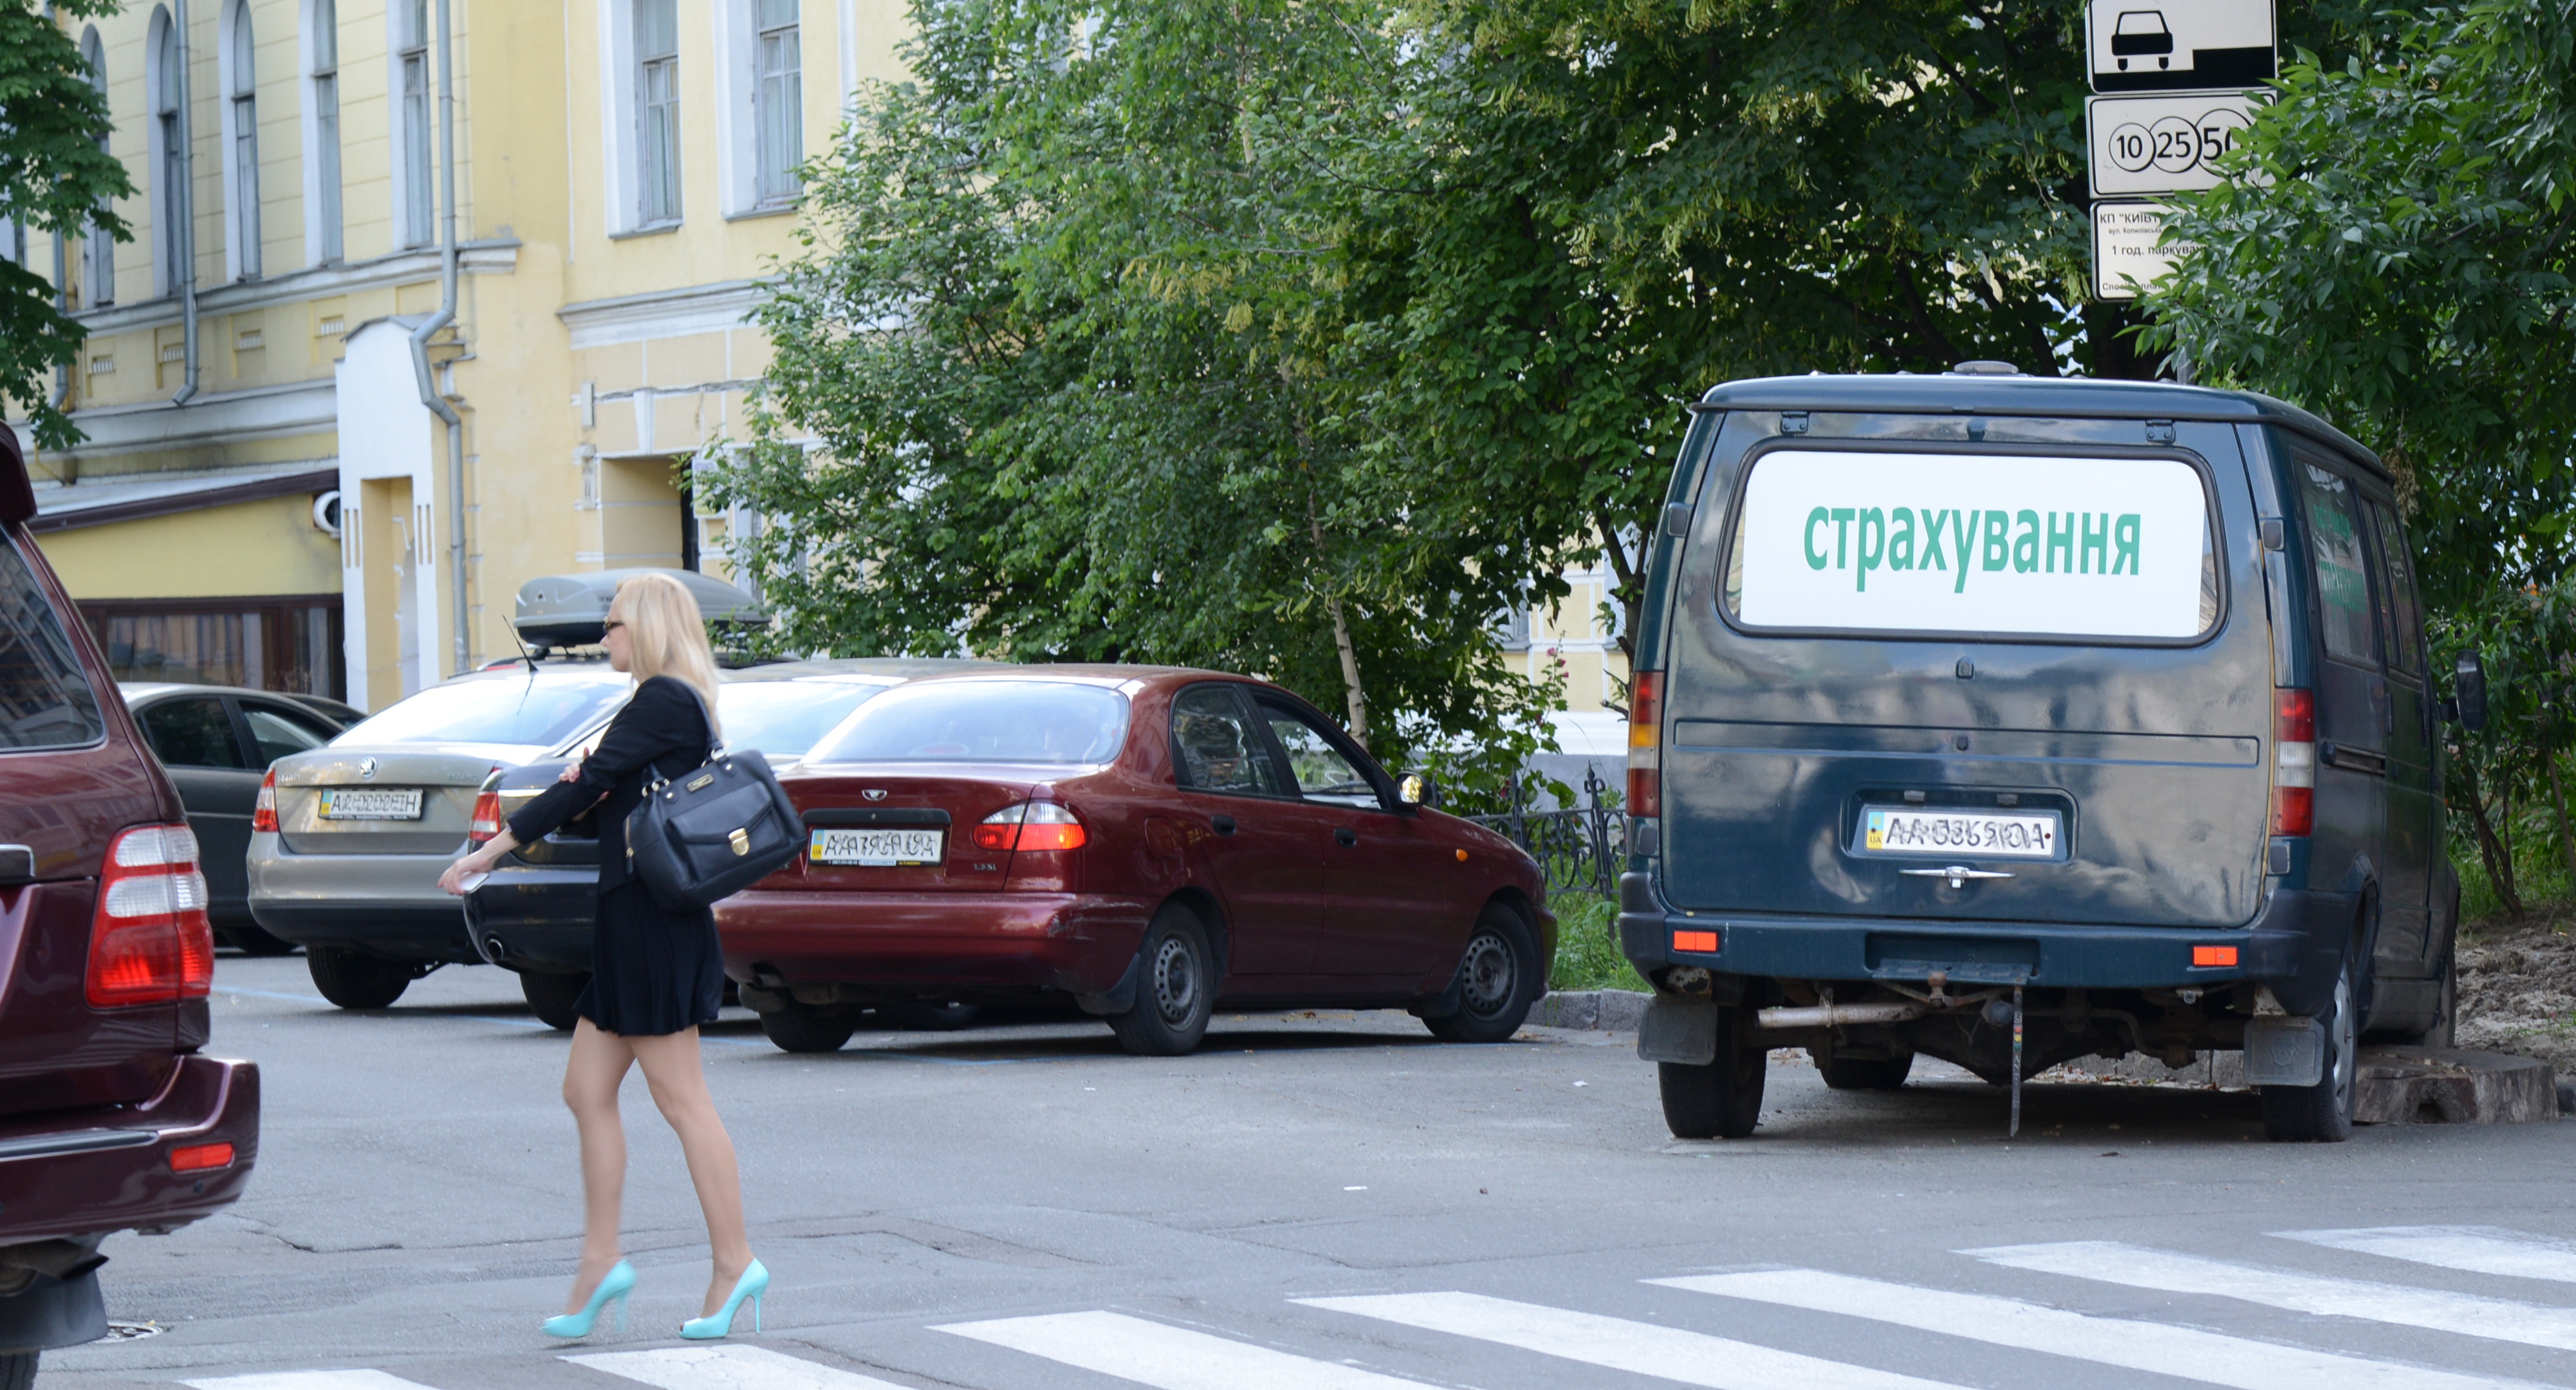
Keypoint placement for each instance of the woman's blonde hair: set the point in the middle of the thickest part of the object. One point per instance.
(666, 635)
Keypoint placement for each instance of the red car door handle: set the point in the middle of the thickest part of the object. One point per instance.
(1346, 837)
(1224, 825)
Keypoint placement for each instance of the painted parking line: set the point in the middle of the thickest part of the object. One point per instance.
(1171, 1358)
(1671, 1353)
(308, 1380)
(2469, 1315)
(2186, 1353)
(2476, 1249)
(732, 1367)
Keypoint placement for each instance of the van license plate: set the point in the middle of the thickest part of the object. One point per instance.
(371, 803)
(1982, 834)
(878, 848)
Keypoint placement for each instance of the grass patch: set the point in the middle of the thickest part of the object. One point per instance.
(1587, 946)
(2539, 870)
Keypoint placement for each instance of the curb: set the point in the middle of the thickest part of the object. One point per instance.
(1610, 1010)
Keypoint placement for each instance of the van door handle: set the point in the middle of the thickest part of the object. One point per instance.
(1224, 825)
(1344, 836)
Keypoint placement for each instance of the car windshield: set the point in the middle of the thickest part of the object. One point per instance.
(783, 718)
(540, 709)
(983, 722)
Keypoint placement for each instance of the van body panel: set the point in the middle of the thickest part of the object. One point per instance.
(2152, 753)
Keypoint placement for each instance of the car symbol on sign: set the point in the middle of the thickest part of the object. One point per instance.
(2138, 33)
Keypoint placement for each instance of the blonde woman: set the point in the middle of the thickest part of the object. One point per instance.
(655, 975)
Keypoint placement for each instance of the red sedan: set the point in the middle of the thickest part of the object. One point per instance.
(1156, 843)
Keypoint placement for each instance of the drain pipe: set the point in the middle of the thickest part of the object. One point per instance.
(187, 209)
(430, 395)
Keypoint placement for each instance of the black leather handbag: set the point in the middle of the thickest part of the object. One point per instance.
(713, 831)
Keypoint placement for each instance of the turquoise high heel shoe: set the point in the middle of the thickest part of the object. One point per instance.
(613, 1286)
(720, 1322)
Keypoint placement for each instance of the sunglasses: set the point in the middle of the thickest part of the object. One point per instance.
(610, 626)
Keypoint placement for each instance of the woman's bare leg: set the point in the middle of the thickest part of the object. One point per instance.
(678, 1077)
(591, 1078)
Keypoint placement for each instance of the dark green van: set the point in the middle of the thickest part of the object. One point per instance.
(2013, 720)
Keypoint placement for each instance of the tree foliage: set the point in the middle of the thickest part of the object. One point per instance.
(56, 176)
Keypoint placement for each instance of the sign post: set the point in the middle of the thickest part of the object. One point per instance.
(2169, 80)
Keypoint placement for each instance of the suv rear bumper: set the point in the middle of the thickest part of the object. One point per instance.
(83, 1173)
(535, 917)
(384, 904)
(2277, 948)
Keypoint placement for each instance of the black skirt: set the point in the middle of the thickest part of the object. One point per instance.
(651, 972)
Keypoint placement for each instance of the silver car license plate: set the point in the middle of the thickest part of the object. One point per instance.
(371, 803)
(1939, 830)
(878, 848)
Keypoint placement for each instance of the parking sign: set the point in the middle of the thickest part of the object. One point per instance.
(2146, 145)
(2180, 45)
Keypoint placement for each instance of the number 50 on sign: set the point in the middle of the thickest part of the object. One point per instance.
(2162, 144)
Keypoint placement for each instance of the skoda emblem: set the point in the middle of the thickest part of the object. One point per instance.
(367, 768)
(874, 793)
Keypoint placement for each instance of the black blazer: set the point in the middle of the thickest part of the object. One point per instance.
(664, 729)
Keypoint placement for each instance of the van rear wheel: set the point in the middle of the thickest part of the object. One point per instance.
(2322, 1113)
(1723, 1099)
(356, 980)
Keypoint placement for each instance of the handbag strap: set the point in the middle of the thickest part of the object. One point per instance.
(715, 745)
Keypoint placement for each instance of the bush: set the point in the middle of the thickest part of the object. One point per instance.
(1587, 946)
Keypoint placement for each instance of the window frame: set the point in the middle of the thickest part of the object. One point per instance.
(325, 218)
(165, 126)
(1265, 699)
(232, 723)
(237, 62)
(415, 151)
(652, 186)
(1249, 711)
(98, 248)
(776, 186)
(2376, 658)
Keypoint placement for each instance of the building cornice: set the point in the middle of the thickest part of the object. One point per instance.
(635, 318)
(258, 412)
(215, 494)
(494, 256)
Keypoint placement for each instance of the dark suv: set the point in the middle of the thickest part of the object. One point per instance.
(110, 1119)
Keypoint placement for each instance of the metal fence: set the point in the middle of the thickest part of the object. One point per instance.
(1581, 849)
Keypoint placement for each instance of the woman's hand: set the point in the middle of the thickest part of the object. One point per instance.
(479, 862)
(571, 772)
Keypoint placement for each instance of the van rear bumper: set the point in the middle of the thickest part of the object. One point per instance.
(2277, 948)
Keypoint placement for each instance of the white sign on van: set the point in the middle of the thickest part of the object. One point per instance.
(1951, 543)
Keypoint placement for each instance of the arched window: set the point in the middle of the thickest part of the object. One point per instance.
(241, 132)
(322, 193)
(167, 82)
(98, 249)
(657, 111)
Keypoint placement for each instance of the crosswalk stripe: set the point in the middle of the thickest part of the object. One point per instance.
(1693, 1358)
(2477, 1249)
(1172, 1358)
(307, 1380)
(2469, 1315)
(728, 1367)
(2184, 1352)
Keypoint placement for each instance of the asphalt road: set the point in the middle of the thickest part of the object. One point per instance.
(1329, 1201)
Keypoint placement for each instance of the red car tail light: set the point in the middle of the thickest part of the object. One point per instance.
(201, 1158)
(149, 941)
(263, 812)
(1033, 826)
(2294, 762)
(487, 818)
(1646, 744)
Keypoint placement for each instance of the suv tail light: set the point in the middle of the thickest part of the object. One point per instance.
(1030, 825)
(487, 818)
(2294, 762)
(263, 812)
(149, 942)
(1646, 744)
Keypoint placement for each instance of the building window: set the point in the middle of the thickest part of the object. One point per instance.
(657, 111)
(170, 184)
(289, 643)
(324, 32)
(412, 64)
(98, 249)
(241, 95)
(778, 95)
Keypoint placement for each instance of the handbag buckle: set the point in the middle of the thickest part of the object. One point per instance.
(741, 843)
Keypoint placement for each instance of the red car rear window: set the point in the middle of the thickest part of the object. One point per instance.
(46, 700)
(983, 722)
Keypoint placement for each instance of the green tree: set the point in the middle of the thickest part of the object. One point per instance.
(56, 176)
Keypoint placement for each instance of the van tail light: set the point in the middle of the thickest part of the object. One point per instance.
(2294, 762)
(487, 818)
(263, 812)
(1646, 744)
(149, 941)
(1031, 825)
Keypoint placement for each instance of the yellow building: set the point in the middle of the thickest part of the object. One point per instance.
(336, 412)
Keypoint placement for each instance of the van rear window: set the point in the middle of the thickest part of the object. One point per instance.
(1886, 542)
(45, 697)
